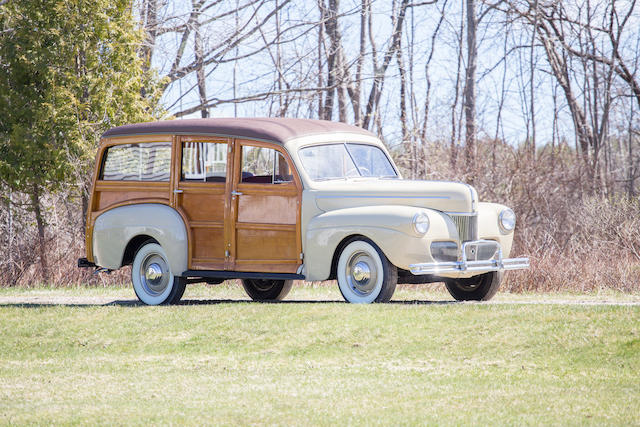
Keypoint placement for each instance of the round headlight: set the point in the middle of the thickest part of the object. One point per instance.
(507, 220)
(421, 223)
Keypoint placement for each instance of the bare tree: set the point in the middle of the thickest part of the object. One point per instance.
(379, 71)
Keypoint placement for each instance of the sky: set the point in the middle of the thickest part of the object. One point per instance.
(494, 73)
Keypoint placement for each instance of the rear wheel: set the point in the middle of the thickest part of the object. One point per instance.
(153, 280)
(364, 273)
(267, 290)
(477, 288)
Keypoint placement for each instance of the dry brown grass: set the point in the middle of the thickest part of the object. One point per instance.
(578, 240)
(20, 266)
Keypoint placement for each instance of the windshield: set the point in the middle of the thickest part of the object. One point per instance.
(336, 161)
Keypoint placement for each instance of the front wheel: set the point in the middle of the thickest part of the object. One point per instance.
(477, 288)
(153, 280)
(364, 273)
(267, 290)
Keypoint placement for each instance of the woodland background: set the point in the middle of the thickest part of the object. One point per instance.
(533, 102)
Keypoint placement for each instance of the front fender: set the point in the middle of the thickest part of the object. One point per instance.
(114, 229)
(389, 227)
(489, 229)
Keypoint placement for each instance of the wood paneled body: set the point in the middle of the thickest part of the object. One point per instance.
(231, 225)
(109, 194)
(204, 206)
(266, 227)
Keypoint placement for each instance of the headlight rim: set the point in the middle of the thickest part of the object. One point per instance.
(501, 221)
(416, 224)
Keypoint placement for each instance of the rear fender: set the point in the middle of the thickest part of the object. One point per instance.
(115, 228)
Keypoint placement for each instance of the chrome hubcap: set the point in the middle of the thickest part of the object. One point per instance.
(154, 274)
(361, 273)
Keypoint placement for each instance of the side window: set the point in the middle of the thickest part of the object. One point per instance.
(264, 166)
(204, 161)
(149, 161)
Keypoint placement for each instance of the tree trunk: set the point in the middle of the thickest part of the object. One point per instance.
(283, 100)
(532, 105)
(469, 104)
(630, 167)
(454, 106)
(149, 20)
(42, 250)
(200, 71)
(357, 86)
(84, 195)
(320, 68)
(342, 83)
(406, 141)
(330, 18)
(10, 236)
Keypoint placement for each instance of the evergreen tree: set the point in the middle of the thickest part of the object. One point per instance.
(68, 71)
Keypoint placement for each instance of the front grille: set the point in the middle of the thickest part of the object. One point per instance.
(444, 251)
(467, 226)
(481, 251)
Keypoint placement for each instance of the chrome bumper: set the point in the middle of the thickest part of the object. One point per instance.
(496, 263)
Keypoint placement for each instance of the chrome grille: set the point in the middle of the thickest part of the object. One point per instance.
(467, 226)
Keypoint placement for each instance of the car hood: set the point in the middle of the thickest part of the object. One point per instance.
(439, 195)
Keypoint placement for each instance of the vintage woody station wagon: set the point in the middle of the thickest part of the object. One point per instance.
(270, 201)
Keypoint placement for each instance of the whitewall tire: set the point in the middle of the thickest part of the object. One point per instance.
(153, 280)
(364, 273)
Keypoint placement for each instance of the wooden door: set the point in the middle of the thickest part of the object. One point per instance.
(265, 207)
(200, 188)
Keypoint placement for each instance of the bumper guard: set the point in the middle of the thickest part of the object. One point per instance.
(495, 263)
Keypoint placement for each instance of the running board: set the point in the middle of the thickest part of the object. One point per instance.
(224, 274)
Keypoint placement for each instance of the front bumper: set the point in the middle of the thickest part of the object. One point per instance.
(464, 265)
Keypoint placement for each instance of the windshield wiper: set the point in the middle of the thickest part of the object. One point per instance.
(331, 178)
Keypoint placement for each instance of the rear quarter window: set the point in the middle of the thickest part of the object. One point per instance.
(149, 161)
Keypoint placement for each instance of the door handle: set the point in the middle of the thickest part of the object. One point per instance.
(178, 191)
(236, 193)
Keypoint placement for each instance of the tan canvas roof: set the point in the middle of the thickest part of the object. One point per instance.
(268, 129)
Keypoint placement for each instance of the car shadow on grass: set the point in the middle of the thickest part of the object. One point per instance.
(229, 301)
(135, 303)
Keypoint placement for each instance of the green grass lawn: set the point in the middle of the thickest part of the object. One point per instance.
(236, 362)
